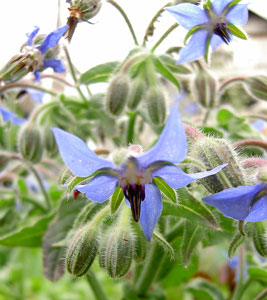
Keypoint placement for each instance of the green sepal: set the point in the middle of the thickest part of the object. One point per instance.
(235, 2)
(258, 274)
(207, 4)
(236, 242)
(116, 199)
(192, 31)
(204, 289)
(167, 247)
(191, 237)
(170, 63)
(99, 73)
(165, 189)
(207, 51)
(164, 71)
(237, 32)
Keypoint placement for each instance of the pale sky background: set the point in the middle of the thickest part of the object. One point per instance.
(107, 40)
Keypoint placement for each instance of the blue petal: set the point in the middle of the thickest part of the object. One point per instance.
(10, 116)
(258, 211)
(77, 156)
(215, 41)
(238, 15)
(151, 209)
(171, 145)
(195, 48)
(36, 96)
(52, 39)
(100, 188)
(234, 202)
(188, 15)
(31, 36)
(55, 64)
(219, 5)
(176, 178)
(37, 75)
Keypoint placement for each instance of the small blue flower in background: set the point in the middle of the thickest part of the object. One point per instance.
(40, 61)
(10, 116)
(135, 174)
(242, 203)
(211, 25)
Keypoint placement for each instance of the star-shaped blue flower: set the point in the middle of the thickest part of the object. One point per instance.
(38, 53)
(211, 25)
(135, 174)
(242, 203)
(10, 116)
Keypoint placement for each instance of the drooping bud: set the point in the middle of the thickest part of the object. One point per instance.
(117, 251)
(205, 88)
(257, 86)
(214, 152)
(82, 250)
(136, 94)
(117, 94)
(50, 142)
(156, 106)
(259, 236)
(30, 143)
(81, 10)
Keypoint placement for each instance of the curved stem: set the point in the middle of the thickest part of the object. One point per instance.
(163, 37)
(13, 85)
(151, 27)
(130, 133)
(74, 75)
(262, 295)
(228, 82)
(39, 180)
(122, 12)
(58, 78)
(39, 109)
(251, 142)
(95, 286)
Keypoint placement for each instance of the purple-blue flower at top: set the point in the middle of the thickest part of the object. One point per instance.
(242, 203)
(10, 116)
(135, 174)
(208, 26)
(35, 55)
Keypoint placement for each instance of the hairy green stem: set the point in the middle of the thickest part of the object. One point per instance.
(40, 108)
(163, 37)
(72, 71)
(130, 133)
(13, 85)
(122, 12)
(239, 287)
(228, 82)
(149, 272)
(262, 295)
(39, 180)
(151, 27)
(95, 286)
(207, 115)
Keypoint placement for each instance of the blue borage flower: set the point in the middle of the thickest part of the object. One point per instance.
(35, 55)
(135, 174)
(211, 25)
(242, 203)
(10, 116)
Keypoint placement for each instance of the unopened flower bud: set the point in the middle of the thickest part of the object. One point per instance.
(257, 86)
(204, 86)
(214, 152)
(50, 142)
(117, 251)
(30, 143)
(156, 105)
(259, 236)
(117, 94)
(82, 250)
(136, 94)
